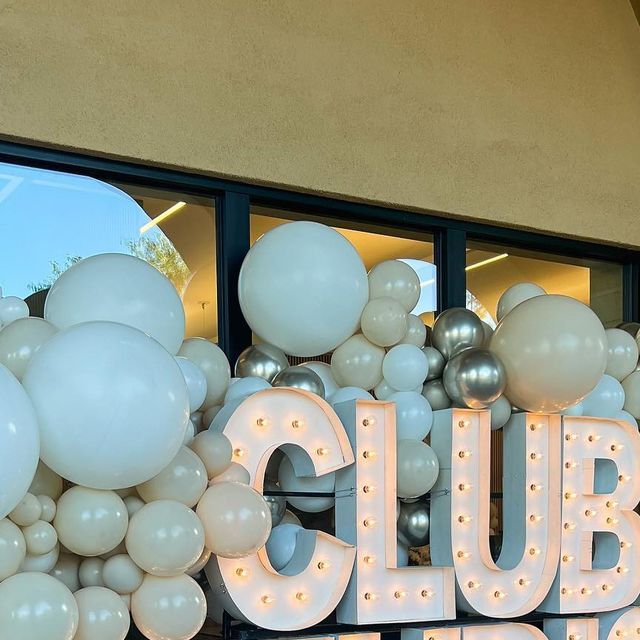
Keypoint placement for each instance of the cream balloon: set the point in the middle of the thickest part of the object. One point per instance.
(195, 381)
(66, 570)
(165, 538)
(554, 352)
(417, 468)
(12, 309)
(416, 331)
(622, 353)
(357, 363)
(183, 479)
(397, 280)
(214, 449)
(121, 574)
(200, 563)
(34, 606)
(118, 288)
(42, 563)
(302, 288)
(90, 572)
(102, 615)
(516, 294)
(631, 386)
(405, 367)
(133, 504)
(40, 538)
(384, 322)
(90, 522)
(46, 482)
(13, 548)
(19, 442)
(169, 608)
(48, 508)
(236, 519)
(27, 511)
(213, 364)
(233, 473)
(20, 340)
(111, 403)
(325, 374)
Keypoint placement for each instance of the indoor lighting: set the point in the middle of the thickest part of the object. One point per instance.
(163, 216)
(482, 263)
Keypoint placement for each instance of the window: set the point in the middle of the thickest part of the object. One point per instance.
(493, 268)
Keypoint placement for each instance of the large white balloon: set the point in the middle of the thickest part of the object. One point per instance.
(213, 363)
(303, 287)
(102, 615)
(111, 403)
(118, 288)
(516, 294)
(413, 415)
(606, 400)
(405, 367)
(19, 442)
(20, 340)
(554, 351)
(622, 353)
(34, 606)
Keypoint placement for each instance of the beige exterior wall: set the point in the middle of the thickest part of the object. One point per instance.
(512, 111)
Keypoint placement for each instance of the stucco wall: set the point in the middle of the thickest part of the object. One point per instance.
(517, 112)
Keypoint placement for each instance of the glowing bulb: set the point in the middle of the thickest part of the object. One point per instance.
(370, 596)
(369, 455)
(590, 513)
(426, 593)
(594, 438)
(569, 526)
(238, 453)
(535, 518)
(535, 427)
(536, 487)
(585, 591)
(566, 592)
(571, 436)
(242, 572)
(464, 487)
(368, 489)
(369, 421)
(267, 599)
(575, 636)
(606, 587)
(262, 422)
(612, 521)
(298, 423)
(621, 634)
(622, 569)
(463, 554)
(570, 465)
(472, 584)
(523, 582)
(624, 478)
(322, 451)
(369, 559)
(463, 423)
(616, 447)
(323, 564)
(464, 519)
(535, 456)
(625, 545)
(567, 558)
(464, 454)
(369, 522)
(534, 551)
(499, 594)
(611, 504)
(399, 594)
(301, 596)
(569, 494)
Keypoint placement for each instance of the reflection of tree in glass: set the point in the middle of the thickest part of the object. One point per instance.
(57, 270)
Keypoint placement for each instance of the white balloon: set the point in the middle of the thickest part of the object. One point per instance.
(189, 434)
(417, 468)
(121, 574)
(244, 387)
(625, 416)
(631, 386)
(281, 544)
(413, 415)
(213, 363)
(19, 442)
(416, 331)
(303, 287)
(118, 288)
(516, 294)
(199, 564)
(66, 570)
(195, 381)
(90, 572)
(133, 504)
(405, 367)
(102, 615)
(169, 608)
(233, 473)
(384, 322)
(349, 393)
(35, 606)
(46, 482)
(574, 410)
(324, 372)
(48, 511)
(215, 451)
(395, 279)
(42, 563)
(622, 353)
(288, 481)
(40, 538)
(357, 363)
(13, 548)
(111, 403)
(500, 412)
(27, 511)
(605, 400)
(382, 390)
(12, 309)
(20, 340)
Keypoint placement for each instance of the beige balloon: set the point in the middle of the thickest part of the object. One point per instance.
(90, 572)
(40, 537)
(622, 353)
(214, 364)
(233, 473)
(384, 322)
(46, 482)
(27, 511)
(90, 522)
(184, 479)
(357, 363)
(102, 615)
(631, 386)
(214, 449)
(416, 331)
(13, 548)
(200, 563)
(516, 294)
(47, 609)
(236, 519)
(20, 340)
(48, 508)
(397, 280)
(554, 351)
(164, 608)
(165, 538)
(42, 563)
(66, 570)
(133, 504)
(121, 574)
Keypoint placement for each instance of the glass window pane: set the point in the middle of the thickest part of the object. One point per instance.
(50, 220)
(493, 268)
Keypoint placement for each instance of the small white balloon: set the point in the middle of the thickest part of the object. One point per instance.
(281, 544)
(414, 417)
(215, 451)
(90, 572)
(209, 415)
(605, 400)
(233, 473)
(290, 482)
(48, 512)
(12, 309)
(20, 340)
(195, 381)
(133, 504)
(622, 353)
(200, 563)
(42, 563)
(40, 538)
(402, 555)
(13, 548)
(189, 434)
(27, 511)
(417, 468)
(102, 615)
(384, 322)
(290, 518)
(500, 412)
(416, 331)
(121, 574)
(625, 416)
(382, 390)
(405, 367)
(516, 294)
(245, 387)
(66, 570)
(349, 393)
(46, 482)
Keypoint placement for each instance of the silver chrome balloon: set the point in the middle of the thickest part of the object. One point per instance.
(277, 504)
(456, 329)
(474, 378)
(413, 524)
(300, 378)
(262, 361)
(433, 391)
(436, 362)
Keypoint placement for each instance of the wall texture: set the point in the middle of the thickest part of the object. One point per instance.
(512, 111)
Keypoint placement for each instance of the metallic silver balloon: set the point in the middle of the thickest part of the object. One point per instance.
(474, 378)
(300, 378)
(456, 329)
(433, 391)
(413, 524)
(277, 504)
(436, 362)
(262, 361)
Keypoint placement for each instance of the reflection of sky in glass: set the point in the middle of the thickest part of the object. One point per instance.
(427, 273)
(46, 216)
